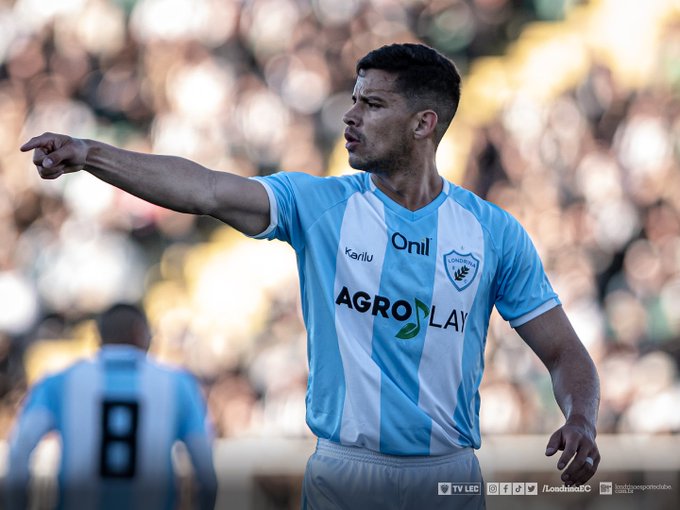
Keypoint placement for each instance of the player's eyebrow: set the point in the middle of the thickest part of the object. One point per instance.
(376, 96)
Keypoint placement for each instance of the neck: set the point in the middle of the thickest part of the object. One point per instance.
(412, 188)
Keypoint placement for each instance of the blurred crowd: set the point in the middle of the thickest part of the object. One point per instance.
(591, 169)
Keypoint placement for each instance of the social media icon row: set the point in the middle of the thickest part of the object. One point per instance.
(512, 488)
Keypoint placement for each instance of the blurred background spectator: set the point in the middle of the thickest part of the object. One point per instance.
(570, 119)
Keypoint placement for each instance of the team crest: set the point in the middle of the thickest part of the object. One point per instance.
(461, 268)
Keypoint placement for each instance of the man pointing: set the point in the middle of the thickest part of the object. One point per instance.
(399, 272)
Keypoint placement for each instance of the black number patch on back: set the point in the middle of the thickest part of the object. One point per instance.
(118, 452)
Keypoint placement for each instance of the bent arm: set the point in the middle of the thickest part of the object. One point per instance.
(199, 447)
(577, 390)
(196, 432)
(575, 381)
(32, 426)
(172, 182)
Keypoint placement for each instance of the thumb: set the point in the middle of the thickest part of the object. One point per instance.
(554, 443)
(59, 157)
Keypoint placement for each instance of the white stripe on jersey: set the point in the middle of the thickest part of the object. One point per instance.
(439, 382)
(80, 440)
(157, 398)
(361, 412)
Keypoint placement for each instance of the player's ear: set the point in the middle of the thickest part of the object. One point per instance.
(425, 124)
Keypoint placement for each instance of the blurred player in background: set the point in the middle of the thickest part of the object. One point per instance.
(118, 417)
(399, 272)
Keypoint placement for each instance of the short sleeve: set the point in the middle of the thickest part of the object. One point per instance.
(44, 397)
(523, 290)
(193, 419)
(282, 193)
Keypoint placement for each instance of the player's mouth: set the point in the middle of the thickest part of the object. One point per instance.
(352, 139)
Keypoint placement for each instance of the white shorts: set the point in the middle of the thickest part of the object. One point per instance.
(351, 478)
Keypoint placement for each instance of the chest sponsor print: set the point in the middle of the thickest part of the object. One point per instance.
(461, 268)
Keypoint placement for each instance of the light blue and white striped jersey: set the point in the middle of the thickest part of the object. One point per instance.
(118, 417)
(397, 306)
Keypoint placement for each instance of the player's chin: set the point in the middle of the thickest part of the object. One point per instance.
(356, 162)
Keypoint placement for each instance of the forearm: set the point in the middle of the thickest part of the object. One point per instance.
(200, 451)
(26, 435)
(172, 182)
(169, 181)
(17, 481)
(577, 391)
(575, 381)
(576, 386)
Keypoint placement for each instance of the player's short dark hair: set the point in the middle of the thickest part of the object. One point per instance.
(122, 323)
(424, 76)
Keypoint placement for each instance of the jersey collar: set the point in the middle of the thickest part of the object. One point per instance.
(402, 211)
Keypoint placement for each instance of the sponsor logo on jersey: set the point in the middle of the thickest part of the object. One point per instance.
(422, 247)
(363, 256)
(461, 268)
(404, 310)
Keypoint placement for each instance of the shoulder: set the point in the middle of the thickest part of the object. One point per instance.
(497, 222)
(480, 208)
(182, 378)
(167, 369)
(301, 182)
(48, 391)
(55, 380)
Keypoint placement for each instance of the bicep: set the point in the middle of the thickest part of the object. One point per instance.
(193, 417)
(240, 202)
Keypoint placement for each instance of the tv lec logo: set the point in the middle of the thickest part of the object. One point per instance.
(459, 489)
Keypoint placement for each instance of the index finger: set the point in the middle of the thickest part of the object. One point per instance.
(35, 142)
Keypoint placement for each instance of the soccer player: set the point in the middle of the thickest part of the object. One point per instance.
(118, 417)
(399, 272)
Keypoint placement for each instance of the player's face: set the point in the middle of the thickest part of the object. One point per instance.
(379, 133)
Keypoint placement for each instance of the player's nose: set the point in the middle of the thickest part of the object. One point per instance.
(351, 116)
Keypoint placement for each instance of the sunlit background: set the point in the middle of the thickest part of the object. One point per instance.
(570, 119)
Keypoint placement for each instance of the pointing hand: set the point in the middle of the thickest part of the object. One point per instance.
(56, 154)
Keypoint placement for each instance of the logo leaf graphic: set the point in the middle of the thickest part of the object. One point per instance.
(461, 273)
(412, 329)
(408, 331)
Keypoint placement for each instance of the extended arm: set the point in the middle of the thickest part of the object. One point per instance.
(577, 391)
(171, 182)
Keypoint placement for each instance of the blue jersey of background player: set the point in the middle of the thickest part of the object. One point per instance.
(118, 417)
(405, 97)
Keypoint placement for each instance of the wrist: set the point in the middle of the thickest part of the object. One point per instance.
(90, 151)
(581, 420)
